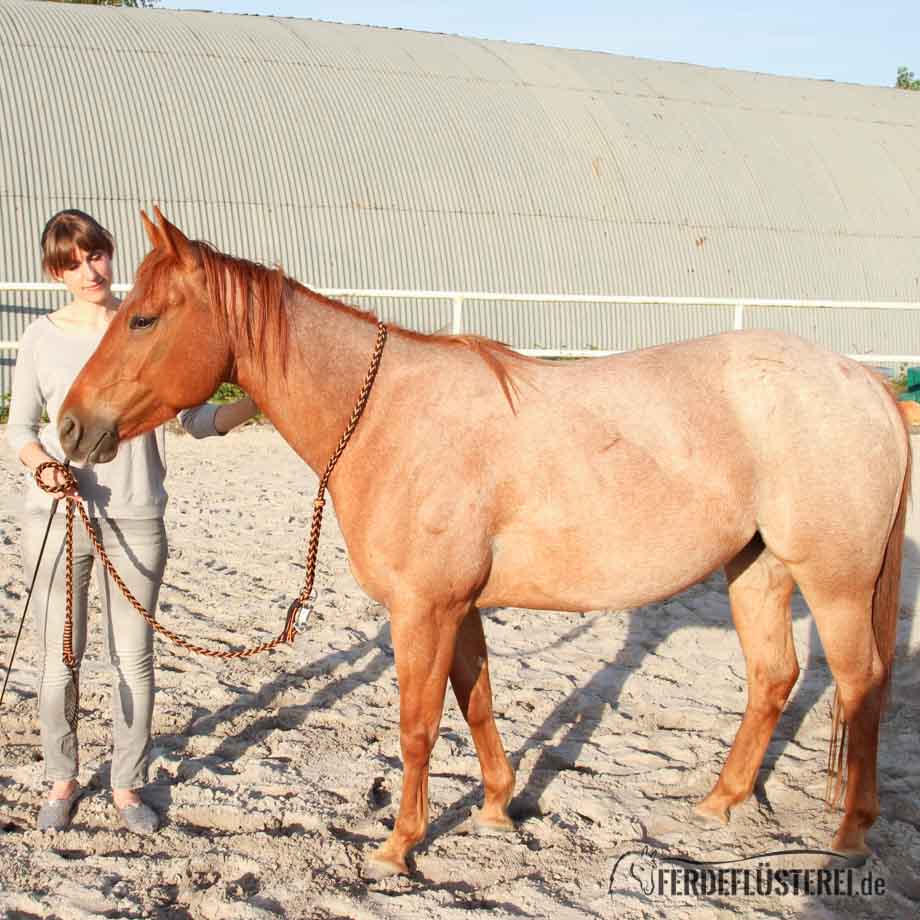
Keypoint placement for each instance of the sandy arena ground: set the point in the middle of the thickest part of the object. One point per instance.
(278, 774)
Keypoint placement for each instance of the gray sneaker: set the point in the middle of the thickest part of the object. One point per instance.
(55, 814)
(140, 818)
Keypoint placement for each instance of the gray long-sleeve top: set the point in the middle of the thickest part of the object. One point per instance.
(131, 486)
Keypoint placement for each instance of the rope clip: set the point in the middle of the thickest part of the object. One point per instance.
(299, 613)
(302, 619)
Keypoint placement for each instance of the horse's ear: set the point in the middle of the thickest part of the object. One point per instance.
(175, 240)
(153, 234)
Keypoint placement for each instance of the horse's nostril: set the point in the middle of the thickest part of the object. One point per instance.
(69, 432)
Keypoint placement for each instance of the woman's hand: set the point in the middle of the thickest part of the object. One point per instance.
(58, 485)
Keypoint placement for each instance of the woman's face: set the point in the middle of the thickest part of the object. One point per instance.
(88, 276)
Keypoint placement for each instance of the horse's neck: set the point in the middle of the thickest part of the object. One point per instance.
(310, 392)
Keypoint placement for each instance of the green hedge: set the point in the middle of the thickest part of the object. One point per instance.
(227, 392)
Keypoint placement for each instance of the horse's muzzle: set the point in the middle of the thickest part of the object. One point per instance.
(96, 442)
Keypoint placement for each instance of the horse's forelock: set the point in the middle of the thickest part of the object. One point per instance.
(153, 278)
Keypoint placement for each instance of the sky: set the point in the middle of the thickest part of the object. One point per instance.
(854, 42)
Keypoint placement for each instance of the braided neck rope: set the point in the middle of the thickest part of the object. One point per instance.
(291, 627)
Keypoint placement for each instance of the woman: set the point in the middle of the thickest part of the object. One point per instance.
(125, 500)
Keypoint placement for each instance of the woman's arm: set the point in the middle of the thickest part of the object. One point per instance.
(26, 407)
(26, 400)
(208, 419)
(229, 415)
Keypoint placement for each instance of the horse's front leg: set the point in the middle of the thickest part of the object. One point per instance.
(424, 636)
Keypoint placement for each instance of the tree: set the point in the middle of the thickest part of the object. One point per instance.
(906, 79)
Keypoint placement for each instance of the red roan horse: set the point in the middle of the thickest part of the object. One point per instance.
(480, 478)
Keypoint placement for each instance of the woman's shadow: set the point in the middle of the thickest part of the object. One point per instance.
(364, 661)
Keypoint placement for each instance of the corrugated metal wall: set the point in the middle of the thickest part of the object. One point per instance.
(365, 157)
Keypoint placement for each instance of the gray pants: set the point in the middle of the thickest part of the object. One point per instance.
(138, 551)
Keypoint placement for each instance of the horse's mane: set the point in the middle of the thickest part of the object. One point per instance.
(253, 295)
(498, 357)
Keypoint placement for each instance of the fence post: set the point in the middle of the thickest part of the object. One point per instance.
(456, 323)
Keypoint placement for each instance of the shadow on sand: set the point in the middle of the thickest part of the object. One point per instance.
(562, 736)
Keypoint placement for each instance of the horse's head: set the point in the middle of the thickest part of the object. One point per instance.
(162, 352)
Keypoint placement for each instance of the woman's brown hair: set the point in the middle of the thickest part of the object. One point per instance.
(69, 230)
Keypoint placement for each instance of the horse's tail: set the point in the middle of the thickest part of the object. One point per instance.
(886, 602)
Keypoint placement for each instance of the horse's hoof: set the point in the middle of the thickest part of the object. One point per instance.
(492, 824)
(708, 815)
(378, 867)
(852, 846)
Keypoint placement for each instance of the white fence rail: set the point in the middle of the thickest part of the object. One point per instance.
(457, 300)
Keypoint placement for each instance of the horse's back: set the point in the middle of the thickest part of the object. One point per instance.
(645, 471)
(806, 424)
(769, 391)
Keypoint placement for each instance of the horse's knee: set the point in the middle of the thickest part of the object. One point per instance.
(416, 744)
(770, 688)
(479, 713)
(783, 683)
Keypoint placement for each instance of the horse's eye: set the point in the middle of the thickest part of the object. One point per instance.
(141, 322)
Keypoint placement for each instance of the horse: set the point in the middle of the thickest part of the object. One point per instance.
(481, 478)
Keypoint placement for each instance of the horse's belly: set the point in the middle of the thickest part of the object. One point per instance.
(614, 561)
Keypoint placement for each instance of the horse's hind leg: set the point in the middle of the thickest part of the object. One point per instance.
(469, 677)
(845, 626)
(759, 588)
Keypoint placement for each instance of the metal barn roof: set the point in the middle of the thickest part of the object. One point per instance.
(369, 157)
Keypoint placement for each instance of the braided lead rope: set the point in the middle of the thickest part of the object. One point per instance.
(319, 502)
(72, 691)
(292, 625)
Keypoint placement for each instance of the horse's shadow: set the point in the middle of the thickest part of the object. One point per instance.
(569, 728)
(603, 689)
(606, 685)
